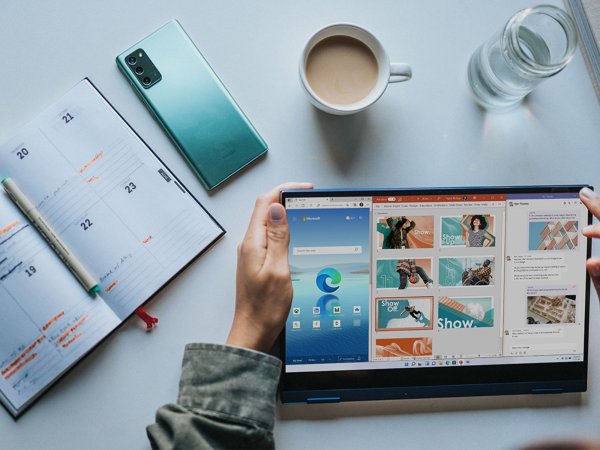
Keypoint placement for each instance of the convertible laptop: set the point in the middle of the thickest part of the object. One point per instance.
(436, 292)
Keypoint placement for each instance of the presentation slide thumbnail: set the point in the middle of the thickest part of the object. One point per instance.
(404, 313)
(468, 230)
(403, 347)
(465, 312)
(467, 271)
(404, 273)
(399, 232)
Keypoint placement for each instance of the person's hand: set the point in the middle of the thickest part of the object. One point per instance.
(592, 201)
(264, 284)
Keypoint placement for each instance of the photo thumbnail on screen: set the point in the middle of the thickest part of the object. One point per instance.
(553, 231)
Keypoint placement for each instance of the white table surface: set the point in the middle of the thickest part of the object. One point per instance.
(426, 132)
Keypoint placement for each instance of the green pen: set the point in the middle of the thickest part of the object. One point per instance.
(34, 216)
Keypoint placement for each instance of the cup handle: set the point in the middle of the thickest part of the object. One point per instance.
(400, 72)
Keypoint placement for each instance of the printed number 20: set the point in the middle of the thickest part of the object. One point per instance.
(22, 153)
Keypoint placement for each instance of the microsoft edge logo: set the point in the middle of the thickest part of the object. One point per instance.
(327, 276)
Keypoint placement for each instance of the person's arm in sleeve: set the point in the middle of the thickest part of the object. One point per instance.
(227, 393)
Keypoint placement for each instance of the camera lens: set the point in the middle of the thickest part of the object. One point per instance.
(131, 60)
(139, 70)
(146, 80)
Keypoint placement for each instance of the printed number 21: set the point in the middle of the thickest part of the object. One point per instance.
(86, 224)
(67, 117)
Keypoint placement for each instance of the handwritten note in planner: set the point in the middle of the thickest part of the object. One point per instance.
(113, 203)
(47, 320)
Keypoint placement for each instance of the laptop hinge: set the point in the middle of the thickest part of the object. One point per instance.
(547, 390)
(323, 400)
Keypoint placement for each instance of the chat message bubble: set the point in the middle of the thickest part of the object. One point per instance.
(538, 267)
(552, 215)
(551, 290)
(537, 333)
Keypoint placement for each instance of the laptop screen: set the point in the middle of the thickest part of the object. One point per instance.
(415, 279)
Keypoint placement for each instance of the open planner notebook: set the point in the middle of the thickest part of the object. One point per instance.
(120, 211)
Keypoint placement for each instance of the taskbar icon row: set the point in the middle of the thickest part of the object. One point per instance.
(437, 363)
(327, 359)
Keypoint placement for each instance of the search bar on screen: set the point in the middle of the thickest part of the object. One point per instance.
(339, 250)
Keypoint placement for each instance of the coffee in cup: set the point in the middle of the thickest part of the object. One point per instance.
(344, 69)
(341, 70)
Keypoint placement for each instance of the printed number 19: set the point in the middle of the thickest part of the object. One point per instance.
(30, 271)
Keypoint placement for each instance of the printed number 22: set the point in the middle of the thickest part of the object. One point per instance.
(86, 224)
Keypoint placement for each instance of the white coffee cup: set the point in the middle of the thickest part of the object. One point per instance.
(386, 72)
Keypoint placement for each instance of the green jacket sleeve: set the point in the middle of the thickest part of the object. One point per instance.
(226, 400)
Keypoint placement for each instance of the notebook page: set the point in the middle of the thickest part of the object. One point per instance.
(47, 319)
(114, 204)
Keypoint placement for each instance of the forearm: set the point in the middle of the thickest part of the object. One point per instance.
(226, 400)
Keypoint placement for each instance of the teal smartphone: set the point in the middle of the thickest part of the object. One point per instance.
(193, 106)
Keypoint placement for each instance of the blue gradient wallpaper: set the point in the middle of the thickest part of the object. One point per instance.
(329, 319)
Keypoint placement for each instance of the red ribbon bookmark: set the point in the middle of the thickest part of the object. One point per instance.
(150, 321)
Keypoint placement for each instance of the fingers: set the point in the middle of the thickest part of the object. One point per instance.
(591, 200)
(273, 195)
(593, 268)
(256, 234)
(278, 238)
(591, 231)
(259, 215)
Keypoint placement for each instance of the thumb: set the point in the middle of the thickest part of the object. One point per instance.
(278, 235)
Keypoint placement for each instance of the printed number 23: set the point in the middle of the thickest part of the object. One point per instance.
(86, 224)
(130, 187)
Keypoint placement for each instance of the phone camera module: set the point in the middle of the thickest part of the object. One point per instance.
(142, 68)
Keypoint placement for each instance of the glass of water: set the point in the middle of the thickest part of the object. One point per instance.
(535, 44)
